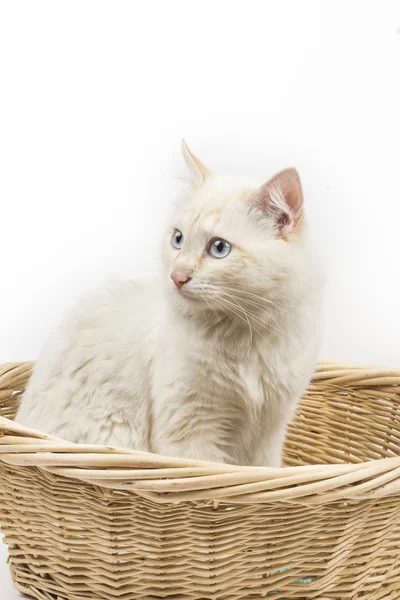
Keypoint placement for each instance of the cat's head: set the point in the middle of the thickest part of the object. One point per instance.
(232, 243)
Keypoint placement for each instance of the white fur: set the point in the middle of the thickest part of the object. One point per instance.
(212, 371)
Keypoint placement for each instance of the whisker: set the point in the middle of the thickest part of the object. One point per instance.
(212, 309)
(262, 323)
(248, 323)
(250, 330)
(278, 328)
(240, 316)
(266, 300)
(230, 297)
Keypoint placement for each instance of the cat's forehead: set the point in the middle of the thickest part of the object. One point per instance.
(219, 202)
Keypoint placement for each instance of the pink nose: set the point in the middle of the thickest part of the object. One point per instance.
(180, 277)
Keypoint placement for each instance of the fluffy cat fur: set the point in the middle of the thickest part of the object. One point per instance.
(209, 366)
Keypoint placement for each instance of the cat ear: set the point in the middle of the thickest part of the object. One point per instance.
(197, 171)
(282, 197)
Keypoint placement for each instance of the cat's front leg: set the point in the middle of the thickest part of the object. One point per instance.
(184, 438)
(268, 452)
(196, 448)
(185, 425)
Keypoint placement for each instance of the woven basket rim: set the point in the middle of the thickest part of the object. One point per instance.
(167, 479)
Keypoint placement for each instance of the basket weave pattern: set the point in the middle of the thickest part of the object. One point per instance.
(93, 522)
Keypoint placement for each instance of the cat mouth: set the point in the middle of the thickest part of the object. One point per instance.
(188, 294)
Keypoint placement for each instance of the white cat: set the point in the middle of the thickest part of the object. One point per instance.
(209, 361)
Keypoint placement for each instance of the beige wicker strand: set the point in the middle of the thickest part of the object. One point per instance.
(97, 522)
(13, 378)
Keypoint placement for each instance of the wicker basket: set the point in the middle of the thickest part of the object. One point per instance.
(96, 522)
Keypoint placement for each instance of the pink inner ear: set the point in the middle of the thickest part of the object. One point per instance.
(282, 196)
(284, 221)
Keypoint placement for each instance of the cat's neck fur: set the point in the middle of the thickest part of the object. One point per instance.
(234, 332)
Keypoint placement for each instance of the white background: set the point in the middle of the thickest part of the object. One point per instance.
(95, 96)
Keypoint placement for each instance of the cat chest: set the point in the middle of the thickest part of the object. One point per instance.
(256, 382)
(213, 377)
(230, 380)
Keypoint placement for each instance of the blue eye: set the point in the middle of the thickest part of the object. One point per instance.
(177, 239)
(219, 248)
